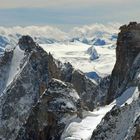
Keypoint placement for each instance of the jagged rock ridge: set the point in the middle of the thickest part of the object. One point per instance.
(25, 108)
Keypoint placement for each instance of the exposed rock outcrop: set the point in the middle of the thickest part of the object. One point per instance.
(123, 121)
(26, 43)
(128, 48)
(119, 124)
(56, 107)
(59, 70)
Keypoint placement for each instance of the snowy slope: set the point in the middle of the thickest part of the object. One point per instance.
(18, 56)
(82, 128)
(76, 54)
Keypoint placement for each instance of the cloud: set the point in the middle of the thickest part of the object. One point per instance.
(57, 33)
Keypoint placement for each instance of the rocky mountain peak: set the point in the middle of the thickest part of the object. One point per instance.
(44, 93)
(122, 122)
(56, 107)
(128, 48)
(26, 43)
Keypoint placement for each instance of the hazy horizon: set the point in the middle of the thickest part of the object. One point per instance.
(67, 14)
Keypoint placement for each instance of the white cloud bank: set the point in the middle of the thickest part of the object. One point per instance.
(58, 34)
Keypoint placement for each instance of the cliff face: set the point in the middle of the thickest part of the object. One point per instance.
(123, 122)
(128, 48)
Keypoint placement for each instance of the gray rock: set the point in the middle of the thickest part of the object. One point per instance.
(56, 107)
(128, 48)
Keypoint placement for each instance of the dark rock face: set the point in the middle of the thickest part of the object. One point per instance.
(86, 89)
(59, 70)
(128, 47)
(55, 108)
(123, 121)
(26, 43)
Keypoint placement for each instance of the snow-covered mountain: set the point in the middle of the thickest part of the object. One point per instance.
(32, 79)
(42, 98)
(55, 41)
(97, 34)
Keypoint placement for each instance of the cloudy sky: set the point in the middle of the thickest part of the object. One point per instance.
(67, 13)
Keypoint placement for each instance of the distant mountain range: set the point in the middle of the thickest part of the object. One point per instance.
(96, 34)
